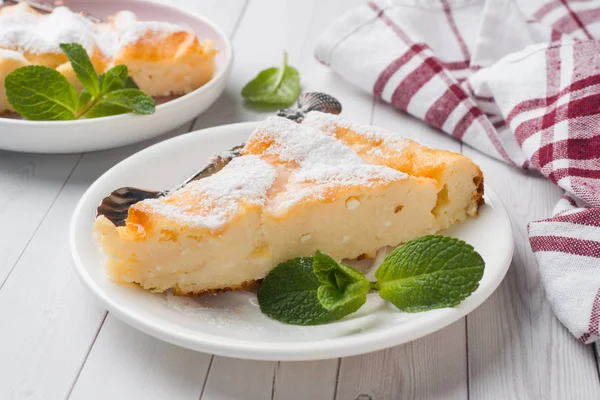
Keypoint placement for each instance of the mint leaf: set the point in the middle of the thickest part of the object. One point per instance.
(41, 93)
(105, 110)
(122, 101)
(84, 98)
(340, 283)
(113, 79)
(130, 83)
(433, 271)
(82, 66)
(289, 294)
(274, 86)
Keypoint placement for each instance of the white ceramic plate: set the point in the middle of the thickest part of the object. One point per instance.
(231, 324)
(108, 132)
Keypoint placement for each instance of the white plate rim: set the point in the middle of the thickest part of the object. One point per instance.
(283, 351)
(169, 104)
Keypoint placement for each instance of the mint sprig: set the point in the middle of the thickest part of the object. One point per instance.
(433, 271)
(289, 294)
(113, 79)
(340, 283)
(42, 93)
(430, 272)
(274, 86)
(82, 66)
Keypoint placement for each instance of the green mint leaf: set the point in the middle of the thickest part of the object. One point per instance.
(122, 101)
(82, 66)
(84, 98)
(433, 271)
(130, 83)
(340, 283)
(105, 110)
(274, 86)
(113, 79)
(41, 93)
(289, 294)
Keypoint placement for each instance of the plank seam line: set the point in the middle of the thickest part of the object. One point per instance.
(595, 351)
(87, 354)
(210, 363)
(37, 228)
(239, 20)
(337, 378)
(191, 125)
(305, 42)
(233, 32)
(461, 149)
(275, 371)
(467, 352)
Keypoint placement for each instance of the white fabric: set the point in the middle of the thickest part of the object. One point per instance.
(517, 79)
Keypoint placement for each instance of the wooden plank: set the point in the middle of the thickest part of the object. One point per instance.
(356, 103)
(230, 378)
(259, 43)
(136, 363)
(432, 367)
(597, 357)
(306, 380)
(29, 184)
(126, 364)
(46, 315)
(297, 26)
(517, 347)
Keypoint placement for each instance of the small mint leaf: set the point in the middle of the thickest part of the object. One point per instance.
(105, 110)
(122, 101)
(41, 93)
(82, 66)
(340, 283)
(113, 79)
(130, 83)
(84, 98)
(433, 271)
(289, 294)
(274, 86)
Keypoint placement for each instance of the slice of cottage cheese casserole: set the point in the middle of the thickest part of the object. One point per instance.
(325, 184)
(163, 59)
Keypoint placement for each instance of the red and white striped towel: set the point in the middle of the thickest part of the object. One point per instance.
(516, 79)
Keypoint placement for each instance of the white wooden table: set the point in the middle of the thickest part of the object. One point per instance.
(57, 342)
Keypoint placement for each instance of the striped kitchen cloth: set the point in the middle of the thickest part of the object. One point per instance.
(516, 79)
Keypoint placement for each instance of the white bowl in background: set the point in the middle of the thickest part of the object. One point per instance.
(108, 132)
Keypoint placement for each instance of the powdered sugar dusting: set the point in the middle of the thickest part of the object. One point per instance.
(24, 31)
(325, 163)
(36, 33)
(302, 144)
(130, 30)
(318, 183)
(107, 40)
(348, 174)
(329, 123)
(12, 55)
(212, 201)
(322, 164)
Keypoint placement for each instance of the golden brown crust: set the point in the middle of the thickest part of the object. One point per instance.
(248, 285)
(478, 193)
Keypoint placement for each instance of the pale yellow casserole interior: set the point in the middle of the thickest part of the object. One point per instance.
(325, 184)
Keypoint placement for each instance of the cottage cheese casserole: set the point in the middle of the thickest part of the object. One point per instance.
(325, 184)
(163, 59)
